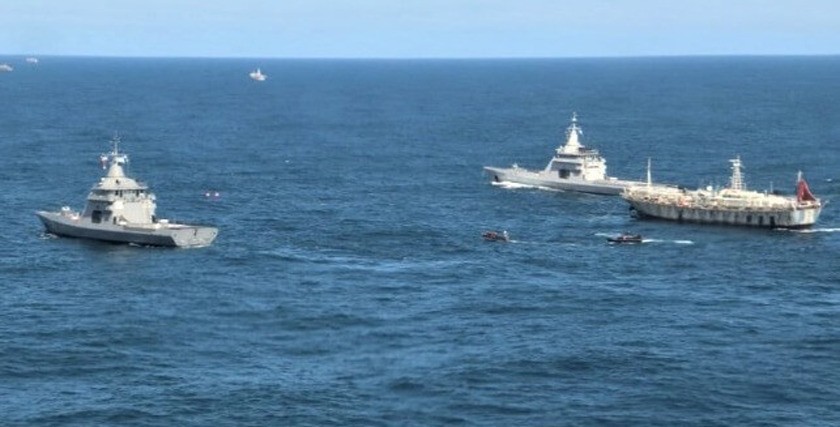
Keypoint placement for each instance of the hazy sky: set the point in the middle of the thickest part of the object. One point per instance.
(418, 28)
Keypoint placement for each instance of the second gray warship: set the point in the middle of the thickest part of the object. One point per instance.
(120, 209)
(573, 168)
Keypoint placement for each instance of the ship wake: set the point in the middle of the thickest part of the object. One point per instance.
(675, 242)
(813, 230)
(648, 240)
(517, 186)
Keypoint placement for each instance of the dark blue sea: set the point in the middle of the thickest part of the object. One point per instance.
(350, 285)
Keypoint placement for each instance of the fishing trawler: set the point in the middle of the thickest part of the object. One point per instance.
(573, 168)
(732, 205)
(120, 209)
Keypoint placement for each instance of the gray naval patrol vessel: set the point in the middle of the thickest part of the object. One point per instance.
(120, 209)
(573, 168)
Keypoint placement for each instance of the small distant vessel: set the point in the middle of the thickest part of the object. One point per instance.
(573, 168)
(120, 209)
(258, 75)
(733, 205)
(6, 67)
(495, 236)
(31, 60)
(626, 238)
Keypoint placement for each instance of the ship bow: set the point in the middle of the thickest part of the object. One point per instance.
(194, 236)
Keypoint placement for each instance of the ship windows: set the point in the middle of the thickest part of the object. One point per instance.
(96, 217)
(564, 173)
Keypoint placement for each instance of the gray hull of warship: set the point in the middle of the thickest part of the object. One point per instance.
(551, 180)
(157, 234)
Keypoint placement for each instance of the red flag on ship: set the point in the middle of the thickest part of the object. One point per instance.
(803, 193)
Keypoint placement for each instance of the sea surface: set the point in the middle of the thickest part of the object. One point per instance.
(349, 284)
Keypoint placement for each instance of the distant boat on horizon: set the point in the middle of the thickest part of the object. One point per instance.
(6, 67)
(31, 60)
(258, 75)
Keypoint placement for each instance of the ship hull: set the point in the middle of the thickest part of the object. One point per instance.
(792, 218)
(174, 235)
(611, 187)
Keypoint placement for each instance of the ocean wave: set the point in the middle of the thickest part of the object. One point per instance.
(350, 262)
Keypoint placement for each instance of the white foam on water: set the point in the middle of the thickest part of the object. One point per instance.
(675, 242)
(518, 186)
(816, 230)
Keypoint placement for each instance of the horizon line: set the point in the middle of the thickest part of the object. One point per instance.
(422, 58)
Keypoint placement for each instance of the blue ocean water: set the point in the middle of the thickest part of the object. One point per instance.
(349, 284)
